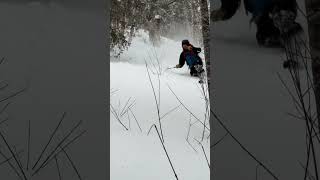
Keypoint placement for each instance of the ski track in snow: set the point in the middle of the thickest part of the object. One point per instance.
(135, 154)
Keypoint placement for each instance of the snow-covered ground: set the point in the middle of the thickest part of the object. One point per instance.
(135, 154)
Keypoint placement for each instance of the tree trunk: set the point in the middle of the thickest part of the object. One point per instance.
(195, 16)
(205, 26)
(206, 35)
(313, 14)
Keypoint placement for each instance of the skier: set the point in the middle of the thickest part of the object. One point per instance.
(275, 19)
(190, 56)
(155, 29)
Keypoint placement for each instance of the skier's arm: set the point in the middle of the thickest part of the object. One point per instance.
(227, 10)
(197, 50)
(181, 61)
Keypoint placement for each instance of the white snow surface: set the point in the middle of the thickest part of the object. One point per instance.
(136, 155)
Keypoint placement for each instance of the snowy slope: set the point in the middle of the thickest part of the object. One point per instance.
(136, 155)
(253, 103)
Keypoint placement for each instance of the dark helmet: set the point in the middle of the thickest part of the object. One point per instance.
(185, 42)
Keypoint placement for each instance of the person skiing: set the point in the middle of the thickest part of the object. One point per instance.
(189, 55)
(275, 19)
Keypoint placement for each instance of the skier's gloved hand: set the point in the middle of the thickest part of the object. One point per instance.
(198, 50)
(284, 20)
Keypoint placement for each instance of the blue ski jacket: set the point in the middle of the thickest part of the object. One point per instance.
(257, 7)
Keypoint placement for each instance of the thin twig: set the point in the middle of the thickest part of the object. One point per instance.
(204, 152)
(8, 159)
(113, 111)
(164, 148)
(243, 147)
(61, 142)
(50, 139)
(5, 120)
(13, 95)
(72, 163)
(219, 141)
(56, 154)
(187, 108)
(10, 164)
(170, 111)
(135, 119)
(14, 156)
(156, 101)
(58, 168)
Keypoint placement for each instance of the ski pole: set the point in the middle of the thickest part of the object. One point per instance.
(171, 67)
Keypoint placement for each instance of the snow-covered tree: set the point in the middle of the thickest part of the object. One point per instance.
(160, 18)
(125, 20)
